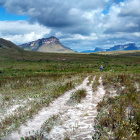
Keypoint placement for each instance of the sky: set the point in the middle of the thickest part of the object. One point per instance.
(79, 24)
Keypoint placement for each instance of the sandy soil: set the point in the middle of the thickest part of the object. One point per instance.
(76, 121)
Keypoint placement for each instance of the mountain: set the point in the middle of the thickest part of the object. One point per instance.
(99, 50)
(51, 44)
(96, 50)
(125, 47)
(8, 45)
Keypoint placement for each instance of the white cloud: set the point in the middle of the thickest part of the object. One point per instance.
(92, 36)
(24, 38)
(58, 34)
(136, 34)
(74, 11)
(21, 31)
(76, 23)
(130, 8)
(131, 24)
(123, 18)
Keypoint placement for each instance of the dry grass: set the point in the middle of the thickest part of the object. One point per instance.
(119, 116)
(35, 96)
(90, 79)
(78, 95)
(118, 52)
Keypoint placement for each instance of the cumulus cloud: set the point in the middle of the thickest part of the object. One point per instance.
(130, 8)
(21, 31)
(56, 13)
(118, 21)
(76, 23)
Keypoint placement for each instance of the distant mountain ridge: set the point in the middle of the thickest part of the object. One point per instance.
(125, 47)
(51, 44)
(99, 49)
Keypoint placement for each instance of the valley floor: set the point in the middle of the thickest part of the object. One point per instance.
(109, 110)
(74, 121)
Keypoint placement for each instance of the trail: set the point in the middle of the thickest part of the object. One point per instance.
(76, 121)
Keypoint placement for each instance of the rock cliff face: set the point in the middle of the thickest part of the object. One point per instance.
(51, 44)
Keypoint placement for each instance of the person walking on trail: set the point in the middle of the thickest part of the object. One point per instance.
(101, 68)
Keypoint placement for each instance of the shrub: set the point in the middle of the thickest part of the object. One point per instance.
(78, 95)
(114, 118)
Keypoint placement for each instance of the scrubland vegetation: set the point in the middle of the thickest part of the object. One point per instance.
(29, 81)
(78, 95)
(119, 111)
(31, 94)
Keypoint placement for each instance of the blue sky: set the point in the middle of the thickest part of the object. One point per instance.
(10, 17)
(80, 25)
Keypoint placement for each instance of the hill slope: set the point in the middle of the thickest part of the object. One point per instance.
(9, 50)
(51, 44)
(8, 45)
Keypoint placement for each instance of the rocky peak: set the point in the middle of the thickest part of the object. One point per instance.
(53, 38)
(51, 44)
(49, 40)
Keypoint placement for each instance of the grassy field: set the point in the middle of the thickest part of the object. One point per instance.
(32, 80)
(135, 52)
(119, 111)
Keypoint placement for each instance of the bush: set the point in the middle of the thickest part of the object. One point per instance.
(78, 95)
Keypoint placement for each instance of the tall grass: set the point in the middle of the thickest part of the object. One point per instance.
(119, 116)
(51, 87)
(78, 95)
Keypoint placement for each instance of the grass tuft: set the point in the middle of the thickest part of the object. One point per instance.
(78, 95)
